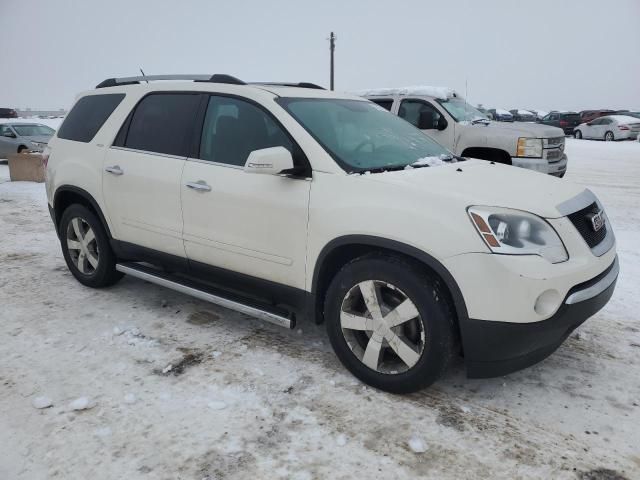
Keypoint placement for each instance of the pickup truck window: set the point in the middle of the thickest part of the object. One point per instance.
(460, 110)
(411, 110)
(361, 136)
(385, 103)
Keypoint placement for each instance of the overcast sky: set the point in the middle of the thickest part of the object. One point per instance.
(544, 54)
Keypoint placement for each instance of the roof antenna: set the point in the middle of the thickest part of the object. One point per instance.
(143, 75)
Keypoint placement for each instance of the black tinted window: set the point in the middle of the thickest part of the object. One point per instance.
(88, 115)
(386, 104)
(415, 110)
(162, 123)
(234, 128)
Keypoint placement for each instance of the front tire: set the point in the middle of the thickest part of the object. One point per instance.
(389, 323)
(86, 248)
(577, 134)
(608, 137)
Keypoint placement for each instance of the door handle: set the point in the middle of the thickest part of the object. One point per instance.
(199, 185)
(116, 170)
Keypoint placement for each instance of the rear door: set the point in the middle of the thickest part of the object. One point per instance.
(142, 171)
(253, 224)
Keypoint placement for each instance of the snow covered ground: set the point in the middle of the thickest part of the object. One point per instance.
(147, 383)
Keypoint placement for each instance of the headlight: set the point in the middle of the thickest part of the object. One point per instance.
(38, 144)
(529, 147)
(514, 232)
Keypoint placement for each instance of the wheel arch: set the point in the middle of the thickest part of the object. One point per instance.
(488, 153)
(341, 250)
(67, 195)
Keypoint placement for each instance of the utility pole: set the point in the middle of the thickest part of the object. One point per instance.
(332, 48)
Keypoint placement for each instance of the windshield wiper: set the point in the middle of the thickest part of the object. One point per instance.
(386, 168)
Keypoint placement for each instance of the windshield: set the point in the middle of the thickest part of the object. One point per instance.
(461, 111)
(362, 136)
(33, 130)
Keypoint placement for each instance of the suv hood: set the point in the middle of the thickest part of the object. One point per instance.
(479, 182)
(522, 129)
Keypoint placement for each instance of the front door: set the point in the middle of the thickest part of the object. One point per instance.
(254, 224)
(142, 172)
(428, 117)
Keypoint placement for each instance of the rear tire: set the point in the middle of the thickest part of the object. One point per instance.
(577, 134)
(86, 248)
(407, 343)
(609, 137)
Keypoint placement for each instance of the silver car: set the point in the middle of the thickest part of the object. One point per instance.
(18, 137)
(609, 128)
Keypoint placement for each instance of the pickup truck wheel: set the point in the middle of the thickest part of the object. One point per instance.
(86, 248)
(389, 324)
(608, 137)
(577, 134)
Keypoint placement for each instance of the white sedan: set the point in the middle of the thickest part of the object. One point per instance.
(609, 127)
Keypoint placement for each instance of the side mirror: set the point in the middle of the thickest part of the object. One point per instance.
(8, 134)
(426, 120)
(272, 161)
(442, 123)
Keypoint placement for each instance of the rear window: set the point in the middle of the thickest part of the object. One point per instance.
(163, 123)
(88, 115)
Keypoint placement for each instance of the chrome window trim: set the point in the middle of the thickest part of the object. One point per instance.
(146, 152)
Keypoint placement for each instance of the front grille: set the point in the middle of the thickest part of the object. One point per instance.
(582, 222)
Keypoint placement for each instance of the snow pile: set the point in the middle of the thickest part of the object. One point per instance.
(41, 402)
(437, 92)
(82, 403)
(417, 445)
(524, 112)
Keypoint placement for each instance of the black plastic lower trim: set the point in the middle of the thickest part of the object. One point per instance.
(494, 349)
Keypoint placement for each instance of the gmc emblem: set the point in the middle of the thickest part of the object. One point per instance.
(597, 220)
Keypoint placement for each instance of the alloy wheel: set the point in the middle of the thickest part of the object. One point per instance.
(82, 246)
(382, 327)
(608, 137)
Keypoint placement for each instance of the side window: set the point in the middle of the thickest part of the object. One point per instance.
(606, 121)
(554, 116)
(419, 114)
(88, 115)
(597, 121)
(385, 103)
(233, 128)
(162, 123)
(5, 129)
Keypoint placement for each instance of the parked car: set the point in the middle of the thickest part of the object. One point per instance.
(609, 128)
(588, 115)
(283, 202)
(500, 115)
(19, 137)
(539, 114)
(445, 116)
(8, 113)
(567, 121)
(522, 115)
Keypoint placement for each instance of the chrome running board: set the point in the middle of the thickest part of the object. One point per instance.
(160, 278)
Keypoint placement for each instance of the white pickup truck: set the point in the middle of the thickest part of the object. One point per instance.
(447, 118)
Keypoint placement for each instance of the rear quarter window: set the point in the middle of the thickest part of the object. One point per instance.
(88, 115)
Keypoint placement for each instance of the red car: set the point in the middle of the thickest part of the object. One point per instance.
(588, 115)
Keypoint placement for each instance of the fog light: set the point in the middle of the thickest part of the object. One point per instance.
(547, 302)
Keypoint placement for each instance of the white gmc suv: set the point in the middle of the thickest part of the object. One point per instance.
(447, 118)
(288, 201)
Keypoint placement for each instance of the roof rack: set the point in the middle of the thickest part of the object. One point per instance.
(216, 78)
(290, 84)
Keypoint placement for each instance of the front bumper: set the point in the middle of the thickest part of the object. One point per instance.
(493, 349)
(542, 165)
